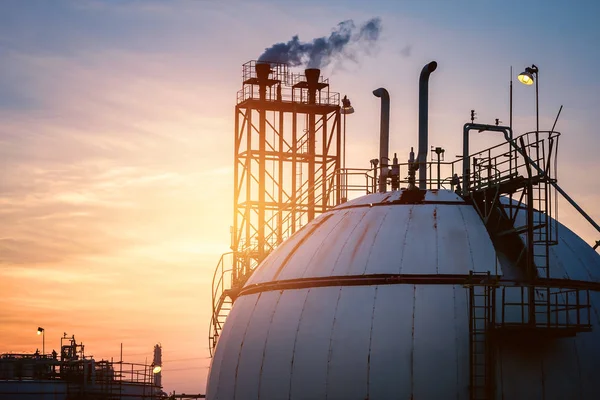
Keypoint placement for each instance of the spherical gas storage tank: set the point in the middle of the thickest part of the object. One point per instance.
(366, 302)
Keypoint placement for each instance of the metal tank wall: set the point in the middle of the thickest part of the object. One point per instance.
(37, 389)
(565, 368)
(33, 390)
(376, 342)
(395, 340)
(442, 236)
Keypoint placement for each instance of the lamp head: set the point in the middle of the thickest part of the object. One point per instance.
(40, 330)
(156, 369)
(347, 106)
(526, 77)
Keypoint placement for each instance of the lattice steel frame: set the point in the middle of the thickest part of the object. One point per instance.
(287, 160)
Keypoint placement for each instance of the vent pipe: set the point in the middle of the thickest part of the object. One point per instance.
(312, 79)
(384, 136)
(262, 71)
(423, 121)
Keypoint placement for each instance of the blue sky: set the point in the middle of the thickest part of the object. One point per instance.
(116, 139)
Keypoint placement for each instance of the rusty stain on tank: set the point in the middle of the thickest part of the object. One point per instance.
(366, 229)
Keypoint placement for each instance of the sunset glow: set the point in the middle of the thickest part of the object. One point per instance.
(116, 145)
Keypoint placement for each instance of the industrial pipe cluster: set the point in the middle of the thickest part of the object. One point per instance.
(384, 137)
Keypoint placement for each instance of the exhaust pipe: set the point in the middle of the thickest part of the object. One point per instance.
(423, 121)
(312, 79)
(384, 136)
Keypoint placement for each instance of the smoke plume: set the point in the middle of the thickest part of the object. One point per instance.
(321, 51)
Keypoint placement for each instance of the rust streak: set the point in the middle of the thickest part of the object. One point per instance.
(387, 197)
(361, 239)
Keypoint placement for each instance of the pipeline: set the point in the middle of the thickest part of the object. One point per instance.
(384, 136)
(423, 120)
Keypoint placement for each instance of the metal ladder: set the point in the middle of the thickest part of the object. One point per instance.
(481, 315)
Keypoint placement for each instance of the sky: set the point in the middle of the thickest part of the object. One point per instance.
(116, 142)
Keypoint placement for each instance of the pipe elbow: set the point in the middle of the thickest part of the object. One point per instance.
(382, 93)
(427, 70)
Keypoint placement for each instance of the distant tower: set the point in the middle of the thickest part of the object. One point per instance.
(157, 365)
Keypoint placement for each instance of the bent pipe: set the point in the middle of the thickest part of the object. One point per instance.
(384, 136)
(508, 136)
(423, 121)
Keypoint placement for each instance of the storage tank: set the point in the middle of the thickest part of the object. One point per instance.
(366, 302)
(473, 293)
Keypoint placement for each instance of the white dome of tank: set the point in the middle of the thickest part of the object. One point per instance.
(366, 302)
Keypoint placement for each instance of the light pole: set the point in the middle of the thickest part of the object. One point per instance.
(440, 157)
(42, 331)
(346, 109)
(527, 78)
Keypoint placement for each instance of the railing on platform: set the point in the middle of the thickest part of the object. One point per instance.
(557, 311)
(284, 90)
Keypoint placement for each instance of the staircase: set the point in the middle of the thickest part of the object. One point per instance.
(528, 307)
(222, 298)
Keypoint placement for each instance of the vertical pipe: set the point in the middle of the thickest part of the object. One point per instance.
(247, 211)
(384, 136)
(466, 160)
(280, 181)
(423, 122)
(510, 112)
(439, 185)
(262, 176)
(235, 244)
(344, 154)
(311, 165)
(510, 102)
(294, 168)
(312, 79)
(323, 191)
(537, 106)
(263, 70)
(345, 176)
(338, 150)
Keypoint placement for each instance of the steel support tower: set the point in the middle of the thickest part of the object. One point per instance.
(286, 168)
(287, 146)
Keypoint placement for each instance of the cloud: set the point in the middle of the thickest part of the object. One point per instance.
(406, 51)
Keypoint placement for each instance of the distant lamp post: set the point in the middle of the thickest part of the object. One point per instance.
(42, 331)
(440, 157)
(346, 109)
(528, 77)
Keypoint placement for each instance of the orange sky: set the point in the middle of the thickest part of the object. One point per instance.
(116, 144)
